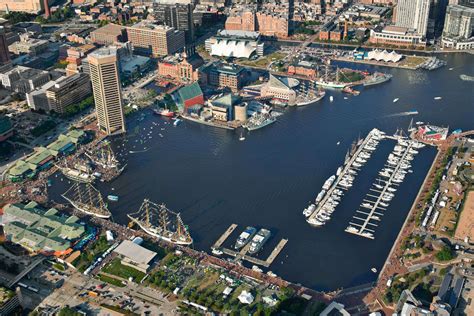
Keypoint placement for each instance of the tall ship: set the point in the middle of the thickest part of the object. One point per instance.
(377, 78)
(80, 172)
(158, 221)
(259, 240)
(245, 237)
(105, 161)
(318, 97)
(331, 84)
(103, 157)
(87, 199)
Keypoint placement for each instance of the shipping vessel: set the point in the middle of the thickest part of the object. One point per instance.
(259, 120)
(245, 237)
(377, 78)
(163, 112)
(259, 240)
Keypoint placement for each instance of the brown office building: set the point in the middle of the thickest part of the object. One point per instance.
(70, 90)
(157, 40)
(105, 80)
(109, 34)
(222, 75)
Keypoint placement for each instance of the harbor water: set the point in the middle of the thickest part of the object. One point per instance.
(215, 180)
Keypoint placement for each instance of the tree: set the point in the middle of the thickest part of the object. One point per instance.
(445, 254)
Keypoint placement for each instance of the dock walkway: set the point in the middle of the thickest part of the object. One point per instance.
(224, 236)
(376, 209)
(347, 166)
(242, 254)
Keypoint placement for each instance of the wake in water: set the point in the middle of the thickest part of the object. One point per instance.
(403, 114)
(138, 151)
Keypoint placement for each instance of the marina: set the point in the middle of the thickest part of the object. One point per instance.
(242, 254)
(383, 191)
(325, 203)
(209, 204)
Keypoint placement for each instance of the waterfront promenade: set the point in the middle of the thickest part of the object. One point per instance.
(394, 264)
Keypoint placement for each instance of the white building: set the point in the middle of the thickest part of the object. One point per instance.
(246, 297)
(239, 44)
(458, 32)
(135, 256)
(413, 14)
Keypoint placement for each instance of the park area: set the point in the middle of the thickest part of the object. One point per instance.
(115, 267)
(264, 61)
(412, 61)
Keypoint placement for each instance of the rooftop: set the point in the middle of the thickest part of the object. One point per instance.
(147, 25)
(135, 252)
(38, 229)
(109, 29)
(104, 52)
(190, 91)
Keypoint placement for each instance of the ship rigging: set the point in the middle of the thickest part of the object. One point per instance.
(87, 199)
(158, 221)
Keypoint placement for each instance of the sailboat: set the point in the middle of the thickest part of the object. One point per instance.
(242, 137)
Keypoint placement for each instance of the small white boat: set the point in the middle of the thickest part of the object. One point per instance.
(241, 138)
(373, 270)
(338, 143)
(217, 252)
(438, 98)
(331, 98)
(395, 100)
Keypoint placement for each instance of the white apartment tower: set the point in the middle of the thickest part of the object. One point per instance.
(105, 81)
(413, 14)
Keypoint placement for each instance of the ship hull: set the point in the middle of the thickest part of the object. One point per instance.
(165, 114)
(266, 123)
(77, 207)
(331, 85)
(77, 179)
(154, 234)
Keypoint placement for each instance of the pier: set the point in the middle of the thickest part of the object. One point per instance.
(347, 166)
(375, 211)
(224, 236)
(242, 254)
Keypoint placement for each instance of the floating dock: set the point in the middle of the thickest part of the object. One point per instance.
(242, 254)
(347, 166)
(224, 236)
(365, 227)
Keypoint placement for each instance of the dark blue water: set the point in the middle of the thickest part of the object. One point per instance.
(214, 180)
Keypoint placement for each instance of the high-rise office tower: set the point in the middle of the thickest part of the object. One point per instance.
(107, 91)
(413, 14)
(177, 14)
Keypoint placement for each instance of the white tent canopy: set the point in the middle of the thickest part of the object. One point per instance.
(384, 55)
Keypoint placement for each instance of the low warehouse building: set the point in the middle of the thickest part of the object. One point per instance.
(135, 256)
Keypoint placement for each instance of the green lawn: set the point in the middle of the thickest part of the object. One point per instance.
(116, 268)
(107, 279)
